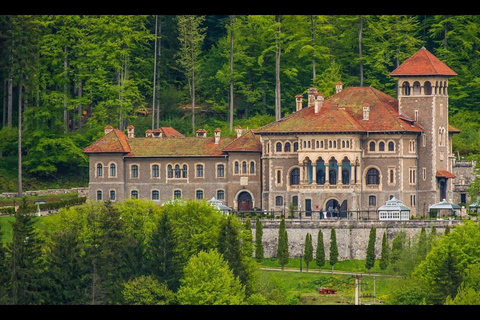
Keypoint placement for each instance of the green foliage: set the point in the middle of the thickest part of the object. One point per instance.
(333, 248)
(247, 237)
(370, 260)
(146, 290)
(320, 250)
(384, 259)
(208, 280)
(259, 250)
(308, 251)
(282, 246)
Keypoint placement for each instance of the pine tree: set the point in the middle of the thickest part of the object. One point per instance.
(320, 252)
(308, 252)
(282, 248)
(259, 250)
(384, 259)
(247, 244)
(230, 248)
(162, 253)
(422, 248)
(333, 248)
(370, 260)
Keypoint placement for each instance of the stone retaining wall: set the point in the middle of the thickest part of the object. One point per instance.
(352, 235)
(82, 192)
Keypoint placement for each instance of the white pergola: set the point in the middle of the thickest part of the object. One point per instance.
(393, 209)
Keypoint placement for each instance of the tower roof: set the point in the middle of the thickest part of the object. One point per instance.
(423, 63)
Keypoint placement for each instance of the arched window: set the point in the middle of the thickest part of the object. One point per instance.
(279, 176)
(134, 194)
(373, 177)
(177, 171)
(372, 146)
(287, 147)
(278, 147)
(381, 146)
(155, 195)
(199, 194)
(177, 194)
(236, 169)
(155, 171)
(220, 195)
(244, 167)
(391, 146)
(295, 146)
(112, 195)
(406, 88)
(320, 177)
(113, 170)
(427, 88)
(392, 176)
(99, 195)
(295, 177)
(279, 201)
(170, 171)
(252, 167)
(134, 171)
(416, 88)
(99, 170)
(184, 171)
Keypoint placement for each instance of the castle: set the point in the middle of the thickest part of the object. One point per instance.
(351, 151)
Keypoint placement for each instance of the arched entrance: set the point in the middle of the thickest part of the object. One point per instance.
(245, 201)
(333, 208)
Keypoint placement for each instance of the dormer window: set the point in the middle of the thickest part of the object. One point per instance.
(366, 111)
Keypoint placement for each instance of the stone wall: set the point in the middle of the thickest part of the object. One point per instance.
(352, 235)
(82, 192)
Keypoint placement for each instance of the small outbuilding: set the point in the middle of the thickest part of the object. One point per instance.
(445, 209)
(393, 209)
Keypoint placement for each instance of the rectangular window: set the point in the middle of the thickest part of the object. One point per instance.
(155, 195)
(155, 171)
(412, 176)
(372, 201)
(99, 195)
(112, 195)
(99, 170)
(220, 171)
(199, 171)
(412, 200)
(279, 201)
(424, 173)
(199, 194)
(177, 194)
(220, 195)
(134, 194)
(113, 170)
(134, 170)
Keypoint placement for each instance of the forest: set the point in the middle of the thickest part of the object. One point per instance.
(65, 77)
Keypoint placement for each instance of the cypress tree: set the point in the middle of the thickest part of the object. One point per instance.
(385, 252)
(230, 247)
(320, 252)
(333, 248)
(282, 248)
(247, 244)
(422, 244)
(308, 251)
(370, 261)
(259, 250)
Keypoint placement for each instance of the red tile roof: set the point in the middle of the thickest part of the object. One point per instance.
(113, 142)
(343, 112)
(169, 132)
(444, 174)
(247, 142)
(423, 63)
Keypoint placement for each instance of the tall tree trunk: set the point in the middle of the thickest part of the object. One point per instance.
(360, 32)
(159, 40)
(80, 106)
(192, 48)
(278, 114)
(154, 73)
(20, 185)
(65, 93)
(4, 111)
(232, 25)
(314, 27)
(10, 101)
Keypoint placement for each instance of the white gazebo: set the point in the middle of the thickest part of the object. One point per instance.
(393, 209)
(448, 208)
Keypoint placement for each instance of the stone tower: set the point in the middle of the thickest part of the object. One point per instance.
(423, 97)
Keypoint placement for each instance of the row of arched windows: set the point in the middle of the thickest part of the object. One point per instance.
(111, 168)
(314, 143)
(372, 176)
(244, 167)
(380, 146)
(407, 88)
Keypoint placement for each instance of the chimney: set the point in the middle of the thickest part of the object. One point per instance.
(339, 87)
(239, 131)
(108, 129)
(201, 133)
(131, 131)
(298, 100)
(148, 133)
(311, 96)
(157, 133)
(366, 111)
(217, 135)
(318, 102)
